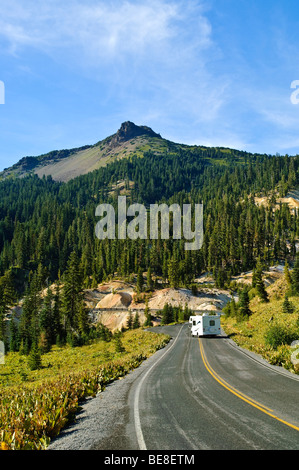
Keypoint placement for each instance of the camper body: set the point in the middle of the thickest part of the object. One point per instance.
(205, 325)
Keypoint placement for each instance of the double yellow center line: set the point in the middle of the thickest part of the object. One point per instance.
(239, 394)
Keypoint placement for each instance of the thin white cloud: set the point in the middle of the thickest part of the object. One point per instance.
(157, 47)
(99, 29)
(154, 57)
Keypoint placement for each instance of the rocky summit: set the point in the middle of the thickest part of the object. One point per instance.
(128, 130)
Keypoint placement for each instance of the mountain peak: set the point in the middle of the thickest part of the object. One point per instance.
(64, 165)
(128, 130)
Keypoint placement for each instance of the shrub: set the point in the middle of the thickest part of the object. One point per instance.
(287, 306)
(277, 335)
(34, 359)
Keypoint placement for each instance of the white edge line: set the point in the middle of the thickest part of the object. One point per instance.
(138, 429)
(263, 362)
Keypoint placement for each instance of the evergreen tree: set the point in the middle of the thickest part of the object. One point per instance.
(295, 277)
(186, 313)
(72, 294)
(253, 282)
(231, 309)
(57, 321)
(9, 293)
(29, 322)
(46, 321)
(130, 320)
(243, 304)
(2, 315)
(149, 280)
(194, 289)
(260, 286)
(140, 281)
(7, 298)
(14, 336)
(167, 314)
(34, 359)
(287, 274)
(287, 306)
(118, 343)
(136, 321)
(148, 316)
(83, 320)
(173, 273)
(220, 278)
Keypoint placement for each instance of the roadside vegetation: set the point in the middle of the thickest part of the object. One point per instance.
(35, 405)
(270, 325)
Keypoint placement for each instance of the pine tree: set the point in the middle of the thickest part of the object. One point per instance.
(167, 314)
(253, 282)
(136, 321)
(149, 280)
(130, 320)
(41, 275)
(29, 322)
(220, 278)
(83, 319)
(243, 304)
(57, 322)
(287, 306)
(173, 273)
(295, 277)
(148, 316)
(194, 289)
(231, 309)
(260, 287)
(9, 293)
(46, 321)
(139, 281)
(186, 312)
(2, 315)
(287, 274)
(7, 298)
(19, 247)
(34, 359)
(118, 343)
(72, 294)
(14, 336)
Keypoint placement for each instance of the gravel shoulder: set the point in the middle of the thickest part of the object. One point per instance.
(106, 416)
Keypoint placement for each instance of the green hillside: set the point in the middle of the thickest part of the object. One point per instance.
(47, 227)
(47, 237)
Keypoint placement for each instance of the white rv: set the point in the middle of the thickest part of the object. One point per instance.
(205, 325)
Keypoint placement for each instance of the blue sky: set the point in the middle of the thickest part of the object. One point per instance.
(211, 72)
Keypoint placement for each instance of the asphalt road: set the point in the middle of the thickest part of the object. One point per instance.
(196, 394)
(206, 394)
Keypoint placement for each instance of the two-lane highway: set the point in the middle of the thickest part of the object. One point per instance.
(195, 394)
(206, 394)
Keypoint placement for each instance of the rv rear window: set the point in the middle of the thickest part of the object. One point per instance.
(212, 322)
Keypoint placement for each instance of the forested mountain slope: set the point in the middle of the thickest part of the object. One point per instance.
(43, 221)
(47, 227)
